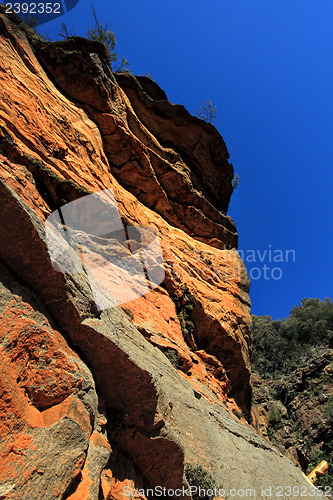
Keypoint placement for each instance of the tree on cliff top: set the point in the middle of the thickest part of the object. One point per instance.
(280, 346)
(207, 112)
(101, 33)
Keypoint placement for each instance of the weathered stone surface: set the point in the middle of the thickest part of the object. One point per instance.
(170, 171)
(302, 427)
(48, 398)
(165, 369)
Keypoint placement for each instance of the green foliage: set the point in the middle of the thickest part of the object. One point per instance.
(103, 34)
(184, 306)
(329, 410)
(275, 417)
(201, 478)
(275, 420)
(326, 453)
(172, 356)
(279, 347)
(207, 112)
(36, 163)
(235, 181)
(100, 33)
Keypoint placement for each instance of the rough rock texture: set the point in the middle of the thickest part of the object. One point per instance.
(295, 411)
(93, 400)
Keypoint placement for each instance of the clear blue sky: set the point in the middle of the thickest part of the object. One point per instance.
(267, 65)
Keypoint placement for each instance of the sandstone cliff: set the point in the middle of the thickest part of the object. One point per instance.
(92, 400)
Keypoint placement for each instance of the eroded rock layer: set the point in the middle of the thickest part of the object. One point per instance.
(92, 400)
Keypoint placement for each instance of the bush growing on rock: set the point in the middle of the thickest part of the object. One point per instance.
(197, 476)
(207, 112)
(279, 347)
(101, 33)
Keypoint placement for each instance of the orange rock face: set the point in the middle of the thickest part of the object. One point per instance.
(66, 153)
(94, 400)
(44, 396)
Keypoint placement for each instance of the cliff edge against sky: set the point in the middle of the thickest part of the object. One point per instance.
(92, 400)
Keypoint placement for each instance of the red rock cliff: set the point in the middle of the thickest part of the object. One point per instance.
(94, 400)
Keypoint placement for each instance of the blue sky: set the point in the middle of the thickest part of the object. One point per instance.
(267, 66)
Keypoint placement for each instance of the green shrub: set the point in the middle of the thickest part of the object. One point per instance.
(275, 417)
(280, 346)
(274, 420)
(201, 478)
(184, 306)
(235, 181)
(100, 33)
(206, 112)
(172, 356)
(315, 458)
